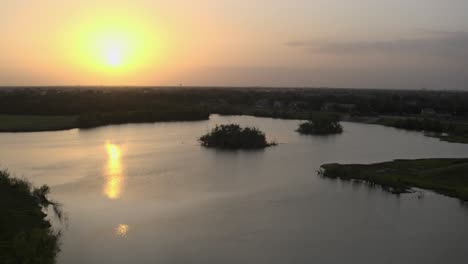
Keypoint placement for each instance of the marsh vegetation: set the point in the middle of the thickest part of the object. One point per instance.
(445, 130)
(445, 176)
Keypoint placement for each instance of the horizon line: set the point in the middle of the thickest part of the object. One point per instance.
(227, 86)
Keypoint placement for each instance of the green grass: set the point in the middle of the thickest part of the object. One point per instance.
(32, 123)
(444, 176)
(25, 236)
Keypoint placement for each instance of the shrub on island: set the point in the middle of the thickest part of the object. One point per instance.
(233, 136)
(321, 125)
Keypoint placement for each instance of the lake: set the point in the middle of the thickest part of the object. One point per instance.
(148, 193)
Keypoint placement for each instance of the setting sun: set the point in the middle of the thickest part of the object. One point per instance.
(116, 47)
(114, 50)
(114, 55)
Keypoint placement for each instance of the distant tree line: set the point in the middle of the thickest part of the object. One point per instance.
(263, 102)
(95, 119)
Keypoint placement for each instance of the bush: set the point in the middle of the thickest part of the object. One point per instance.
(321, 125)
(234, 137)
(25, 236)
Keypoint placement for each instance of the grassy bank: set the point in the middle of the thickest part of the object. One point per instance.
(453, 138)
(90, 120)
(30, 123)
(450, 131)
(37, 123)
(25, 236)
(444, 176)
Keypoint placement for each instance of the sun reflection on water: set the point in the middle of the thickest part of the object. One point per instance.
(114, 175)
(122, 230)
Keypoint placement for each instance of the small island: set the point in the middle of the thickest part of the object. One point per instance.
(26, 236)
(232, 136)
(444, 176)
(321, 125)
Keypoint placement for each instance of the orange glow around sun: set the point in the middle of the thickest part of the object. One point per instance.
(118, 45)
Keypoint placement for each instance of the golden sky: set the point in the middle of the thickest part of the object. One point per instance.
(373, 43)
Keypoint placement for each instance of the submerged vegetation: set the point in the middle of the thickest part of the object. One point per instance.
(233, 136)
(444, 176)
(321, 125)
(25, 236)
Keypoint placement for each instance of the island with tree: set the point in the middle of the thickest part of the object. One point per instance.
(233, 136)
(321, 125)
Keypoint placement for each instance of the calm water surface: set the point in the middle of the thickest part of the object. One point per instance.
(148, 193)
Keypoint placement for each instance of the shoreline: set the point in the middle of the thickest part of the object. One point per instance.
(444, 176)
(27, 236)
(49, 123)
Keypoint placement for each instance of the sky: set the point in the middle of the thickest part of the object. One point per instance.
(297, 43)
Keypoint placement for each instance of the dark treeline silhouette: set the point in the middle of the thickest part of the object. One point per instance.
(233, 136)
(25, 236)
(272, 102)
(89, 120)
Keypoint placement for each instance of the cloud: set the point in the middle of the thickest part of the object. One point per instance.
(432, 43)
